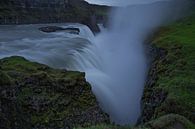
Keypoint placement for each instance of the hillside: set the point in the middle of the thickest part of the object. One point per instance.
(33, 95)
(173, 70)
(55, 11)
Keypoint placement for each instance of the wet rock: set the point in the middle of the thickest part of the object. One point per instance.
(45, 98)
(50, 29)
(153, 96)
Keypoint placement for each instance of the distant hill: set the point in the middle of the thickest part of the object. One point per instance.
(51, 11)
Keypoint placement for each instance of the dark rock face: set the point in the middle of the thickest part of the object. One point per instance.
(50, 29)
(51, 11)
(153, 96)
(34, 96)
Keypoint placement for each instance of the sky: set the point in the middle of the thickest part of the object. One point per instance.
(121, 2)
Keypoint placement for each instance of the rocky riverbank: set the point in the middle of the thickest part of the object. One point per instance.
(34, 96)
(56, 11)
(153, 96)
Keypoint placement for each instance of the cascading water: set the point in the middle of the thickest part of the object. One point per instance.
(120, 85)
(114, 61)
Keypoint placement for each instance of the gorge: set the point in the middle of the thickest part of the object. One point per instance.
(115, 60)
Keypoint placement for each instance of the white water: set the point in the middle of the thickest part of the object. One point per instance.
(121, 2)
(114, 61)
(120, 85)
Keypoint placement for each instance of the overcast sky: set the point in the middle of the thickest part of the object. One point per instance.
(121, 2)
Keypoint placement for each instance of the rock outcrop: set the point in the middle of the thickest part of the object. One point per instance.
(153, 96)
(34, 96)
(50, 29)
(170, 86)
(52, 11)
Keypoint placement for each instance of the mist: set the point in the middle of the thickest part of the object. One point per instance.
(114, 61)
(122, 53)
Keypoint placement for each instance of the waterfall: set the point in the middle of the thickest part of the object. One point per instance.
(119, 82)
(114, 61)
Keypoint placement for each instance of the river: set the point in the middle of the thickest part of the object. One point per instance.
(114, 60)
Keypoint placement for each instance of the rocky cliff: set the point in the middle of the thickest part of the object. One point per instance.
(168, 101)
(34, 96)
(170, 86)
(52, 11)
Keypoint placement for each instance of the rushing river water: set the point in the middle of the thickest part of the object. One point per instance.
(109, 66)
(114, 60)
(59, 49)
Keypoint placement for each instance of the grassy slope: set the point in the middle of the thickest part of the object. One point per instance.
(35, 95)
(74, 12)
(170, 121)
(176, 74)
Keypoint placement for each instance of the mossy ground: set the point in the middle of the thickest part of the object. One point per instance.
(33, 95)
(170, 121)
(176, 76)
(176, 73)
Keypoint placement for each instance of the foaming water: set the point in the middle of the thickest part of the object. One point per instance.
(114, 61)
(120, 86)
(59, 49)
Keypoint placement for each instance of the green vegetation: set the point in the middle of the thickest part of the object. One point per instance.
(170, 121)
(33, 95)
(105, 127)
(175, 76)
(176, 72)
(20, 12)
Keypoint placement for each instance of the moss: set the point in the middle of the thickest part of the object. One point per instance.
(105, 127)
(43, 97)
(170, 121)
(176, 73)
(18, 64)
(175, 78)
(4, 79)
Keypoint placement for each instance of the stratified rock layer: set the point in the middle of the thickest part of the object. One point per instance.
(34, 96)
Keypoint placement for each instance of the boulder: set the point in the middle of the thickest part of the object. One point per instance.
(50, 29)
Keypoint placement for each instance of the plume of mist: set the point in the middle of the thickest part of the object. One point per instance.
(123, 55)
(114, 61)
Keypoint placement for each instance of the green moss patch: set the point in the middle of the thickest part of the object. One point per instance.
(33, 95)
(176, 73)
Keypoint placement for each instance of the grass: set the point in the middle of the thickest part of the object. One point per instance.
(164, 122)
(169, 122)
(44, 95)
(104, 126)
(24, 66)
(176, 73)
